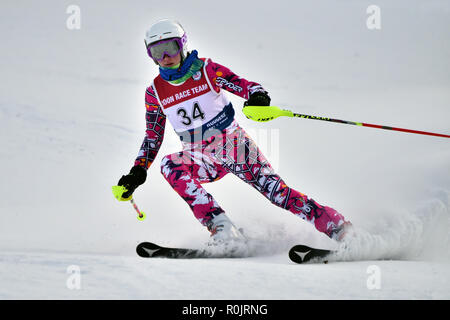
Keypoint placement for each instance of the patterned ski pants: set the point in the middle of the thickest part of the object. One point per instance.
(234, 151)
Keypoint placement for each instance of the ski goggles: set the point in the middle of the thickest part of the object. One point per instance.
(170, 47)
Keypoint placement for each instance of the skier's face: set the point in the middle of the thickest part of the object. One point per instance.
(167, 61)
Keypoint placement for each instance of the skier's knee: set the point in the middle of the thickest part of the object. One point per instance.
(165, 166)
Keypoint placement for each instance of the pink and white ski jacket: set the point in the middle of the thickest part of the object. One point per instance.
(206, 104)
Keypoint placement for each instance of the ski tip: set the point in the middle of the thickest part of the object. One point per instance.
(298, 253)
(301, 254)
(144, 249)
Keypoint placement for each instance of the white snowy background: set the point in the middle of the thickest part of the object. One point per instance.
(72, 121)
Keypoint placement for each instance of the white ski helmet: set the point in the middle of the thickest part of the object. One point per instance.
(166, 29)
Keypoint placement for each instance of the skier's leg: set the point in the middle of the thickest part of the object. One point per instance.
(252, 167)
(186, 174)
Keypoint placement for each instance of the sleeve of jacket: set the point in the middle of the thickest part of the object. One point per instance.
(222, 77)
(154, 134)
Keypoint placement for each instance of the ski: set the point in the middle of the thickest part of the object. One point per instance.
(151, 250)
(301, 254)
(298, 254)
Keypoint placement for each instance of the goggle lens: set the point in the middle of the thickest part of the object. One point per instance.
(158, 50)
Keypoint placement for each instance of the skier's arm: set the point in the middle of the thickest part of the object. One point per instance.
(156, 121)
(154, 134)
(222, 77)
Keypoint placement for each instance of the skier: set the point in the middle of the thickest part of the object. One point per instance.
(189, 91)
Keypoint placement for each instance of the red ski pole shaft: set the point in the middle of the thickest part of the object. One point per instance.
(362, 124)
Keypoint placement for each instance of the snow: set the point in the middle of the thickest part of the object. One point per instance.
(72, 120)
(44, 276)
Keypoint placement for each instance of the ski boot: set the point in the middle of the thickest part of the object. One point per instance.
(343, 232)
(223, 231)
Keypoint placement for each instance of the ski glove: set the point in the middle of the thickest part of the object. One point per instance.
(131, 181)
(258, 98)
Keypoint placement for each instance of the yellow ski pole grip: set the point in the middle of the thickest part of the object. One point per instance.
(265, 113)
(118, 191)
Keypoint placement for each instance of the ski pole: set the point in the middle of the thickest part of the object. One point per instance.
(118, 191)
(141, 215)
(263, 114)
